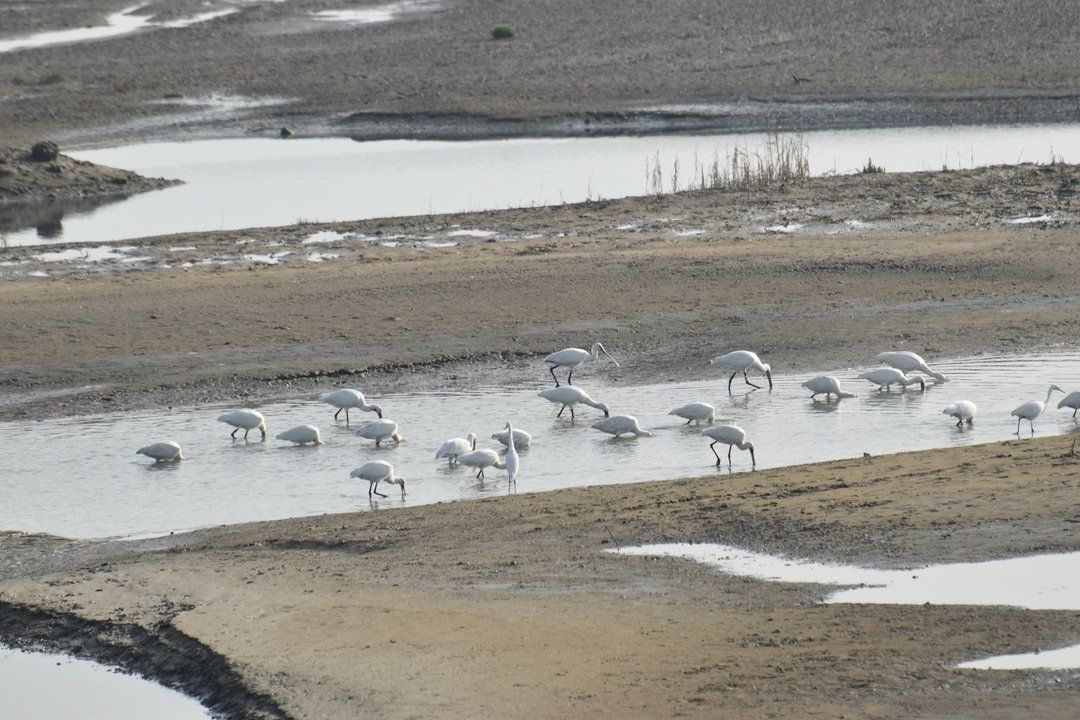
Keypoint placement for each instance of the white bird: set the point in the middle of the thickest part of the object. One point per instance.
(165, 451)
(742, 361)
(246, 420)
(620, 425)
(700, 412)
(379, 430)
(455, 447)
(511, 462)
(346, 399)
(1072, 400)
(962, 410)
(481, 459)
(909, 362)
(732, 436)
(522, 439)
(572, 357)
(826, 384)
(885, 377)
(302, 435)
(569, 396)
(376, 472)
(1033, 409)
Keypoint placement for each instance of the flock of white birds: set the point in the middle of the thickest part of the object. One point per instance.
(901, 368)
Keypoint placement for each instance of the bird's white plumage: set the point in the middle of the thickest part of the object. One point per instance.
(302, 435)
(695, 412)
(347, 399)
(1033, 409)
(453, 448)
(884, 377)
(742, 361)
(569, 395)
(381, 429)
(378, 471)
(511, 460)
(907, 361)
(620, 425)
(1072, 400)
(481, 459)
(827, 385)
(165, 451)
(522, 439)
(246, 420)
(962, 410)
(732, 436)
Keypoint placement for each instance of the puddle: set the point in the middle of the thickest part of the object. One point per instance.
(689, 233)
(789, 228)
(1065, 658)
(472, 233)
(91, 484)
(258, 182)
(372, 14)
(46, 686)
(89, 254)
(1028, 219)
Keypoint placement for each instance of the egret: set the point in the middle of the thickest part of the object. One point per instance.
(909, 362)
(347, 398)
(522, 439)
(302, 435)
(376, 472)
(572, 357)
(732, 436)
(165, 451)
(246, 420)
(569, 396)
(511, 462)
(743, 360)
(379, 430)
(1033, 409)
(695, 412)
(620, 425)
(481, 459)
(962, 410)
(826, 384)
(1072, 400)
(455, 447)
(885, 377)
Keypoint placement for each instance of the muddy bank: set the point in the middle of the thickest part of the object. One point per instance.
(530, 619)
(36, 188)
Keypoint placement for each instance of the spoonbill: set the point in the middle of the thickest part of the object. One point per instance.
(481, 459)
(378, 471)
(1033, 409)
(455, 447)
(572, 357)
(695, 412)
(907, 361)
(569, 396)
(962, 410)
(346, 399)
(885, 377)
(1072, 400)
(302, 435)
(165, 451)
(522, 439)
(742, 361)
(246, 420)
(620, 425)
(826, 384)
(381, 429)
(511, 462)
(732, 436)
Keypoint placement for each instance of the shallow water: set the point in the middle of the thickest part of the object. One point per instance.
(241, 183)
(44, 686)
(80, 476)
(1064, 658)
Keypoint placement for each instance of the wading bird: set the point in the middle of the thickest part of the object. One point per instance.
(346, 399)
(695, 412)
(569, 396)
(302, 435)
(742, 361)
(376, 472)
(620, 425)
(1072, 400)
(732, 436)
(453, 448)
(246, 420)
(962, 410)
(511, 461)
(826, 384)
(906, 361)
(1033, 409)
(481, 459)
(522, 439)
(886, 377)
(572, 357)
(165, 451)
(379, 430)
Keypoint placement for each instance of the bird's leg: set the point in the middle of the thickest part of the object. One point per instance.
(570, 377)
(552, 371)
(729, 455)
(480, 474)
(747, 379)
(711, 447)
(346, 417)
(246, 434)
(233, 434)
(1018, 426)
(1032, 423)
(377, 489)
(571, 413)
(960, 423)
(377, 440)
(337, 413)
(561, 411)
(1074, 413)
(730, 379)
(690, 421)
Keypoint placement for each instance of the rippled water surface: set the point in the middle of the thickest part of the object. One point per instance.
(80, 476)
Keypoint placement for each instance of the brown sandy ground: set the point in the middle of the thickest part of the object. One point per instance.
(573, 68)
(25, 180)
(508, 608)
(934, 270)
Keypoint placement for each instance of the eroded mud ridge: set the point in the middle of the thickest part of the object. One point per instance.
(27, 184)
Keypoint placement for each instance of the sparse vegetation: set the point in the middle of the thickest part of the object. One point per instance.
(870, 168)
(503, 31)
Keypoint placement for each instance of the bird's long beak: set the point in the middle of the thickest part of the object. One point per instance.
(612, 359)
(768, 376)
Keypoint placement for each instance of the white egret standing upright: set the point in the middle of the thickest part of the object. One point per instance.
(907, 361)
(511, 460)
(569, 396)
(741, 361)
(732, 436)
(246, 420)
(376, 472)
(347, 398)
(962, 410)
(886, 377)
(1033, 409)
(572, 357)
(1072, 400)
(826, 384)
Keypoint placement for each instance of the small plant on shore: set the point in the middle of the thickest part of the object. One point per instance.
(503, 31)
(870, 168)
